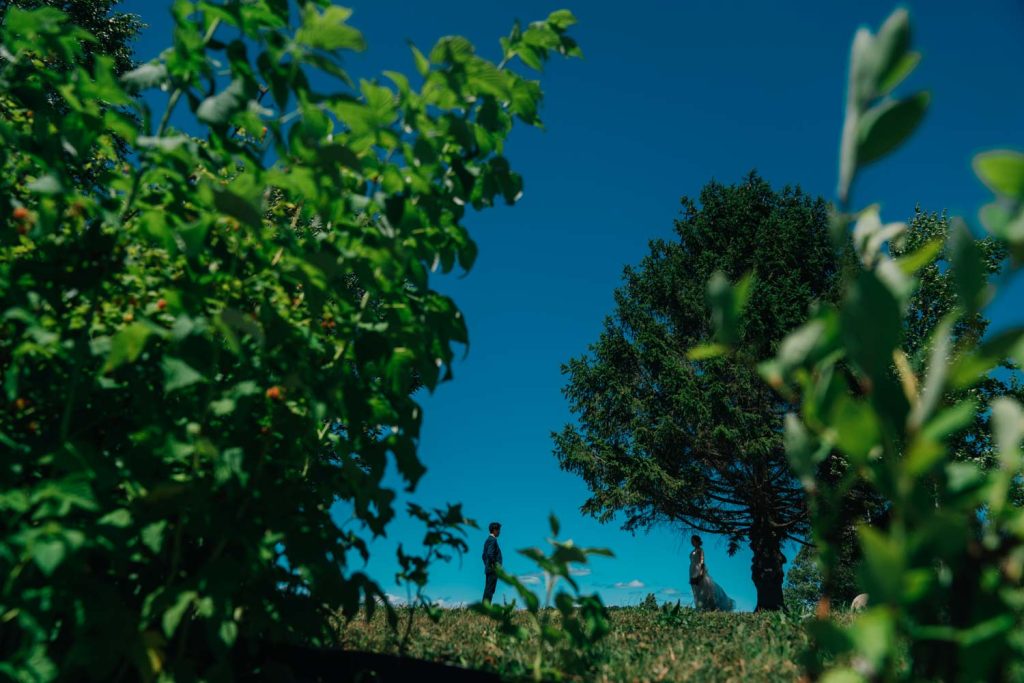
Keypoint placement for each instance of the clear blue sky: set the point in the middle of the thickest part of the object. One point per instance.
(669, 95)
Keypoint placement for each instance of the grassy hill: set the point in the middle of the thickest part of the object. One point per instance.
(644, 645)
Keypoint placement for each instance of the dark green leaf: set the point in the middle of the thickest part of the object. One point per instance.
(1002, 171)
(884, 127)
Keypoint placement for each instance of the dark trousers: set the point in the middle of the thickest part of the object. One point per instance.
(490, 583)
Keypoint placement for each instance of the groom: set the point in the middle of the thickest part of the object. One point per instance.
(492, 559)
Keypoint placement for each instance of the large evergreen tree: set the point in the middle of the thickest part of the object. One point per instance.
(662, 437)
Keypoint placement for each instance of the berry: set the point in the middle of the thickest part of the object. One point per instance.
(20, 213)
(127, 317)
(21, 403)
(161, 304)
(274, 393)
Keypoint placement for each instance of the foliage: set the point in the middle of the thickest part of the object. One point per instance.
(113, 32)
(944, 574)
(583, 618)
(205, 350)
(934, 298)
(642, 645)
(697, 439)
(444, 538)
(803, 587)
(650, 601)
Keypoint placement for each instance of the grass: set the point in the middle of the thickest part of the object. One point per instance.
(644, 645)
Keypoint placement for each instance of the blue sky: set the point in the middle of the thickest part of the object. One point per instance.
(669, 95)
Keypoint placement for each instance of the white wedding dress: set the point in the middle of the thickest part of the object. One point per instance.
(707, 595)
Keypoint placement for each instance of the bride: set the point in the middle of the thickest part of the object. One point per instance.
(707, 595)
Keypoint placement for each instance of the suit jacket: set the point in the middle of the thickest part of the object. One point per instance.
(492, 554)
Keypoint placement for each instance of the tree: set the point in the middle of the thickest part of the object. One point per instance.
(803, 581)
(664, 436)
(113, 32)
(176, 347)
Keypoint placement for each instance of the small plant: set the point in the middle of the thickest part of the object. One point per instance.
(445, 538)
(672, 615)
(649, 602)
(584, 618)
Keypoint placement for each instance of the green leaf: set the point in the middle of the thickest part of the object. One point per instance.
(561, 19)
(951, 420)
(1008, 430)
(1002, 171)
(172, 617)
(899, 71)
(871, 323)
(727, 303)
(119, 518)
(422, 64)
(706, 351)
(938, 370)
(1004, 222)
(165, 144)
(874, 634)
(126, 345)
(34, 22)
(178, 374)
(923, 455)
(145, 77)
(153, 535)
(884, 127)
(218, 109)
(451, 50)
(48, 552)
(968, 267)
(238, 207)
(228, 632)
(878, 62)
(229, 464)
(857, 428)
(553, 521)
(328, 31)
(882, 571)
(911, 263)
(802, 449)
(47, 184)
(889, 50)
(971, 367)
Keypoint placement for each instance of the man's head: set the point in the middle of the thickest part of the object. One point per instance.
(695, 540)
(494, 528)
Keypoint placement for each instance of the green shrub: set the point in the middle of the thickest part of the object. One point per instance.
(205, 349)
(944, 576)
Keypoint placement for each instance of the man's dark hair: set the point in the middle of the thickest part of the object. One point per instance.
(695, 539)
(492, 527)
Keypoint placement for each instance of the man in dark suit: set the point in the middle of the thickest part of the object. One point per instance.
(492, 559)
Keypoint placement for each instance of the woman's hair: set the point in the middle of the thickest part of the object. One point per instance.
(695, 539)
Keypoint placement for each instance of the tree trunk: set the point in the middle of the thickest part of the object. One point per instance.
(766, 569)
